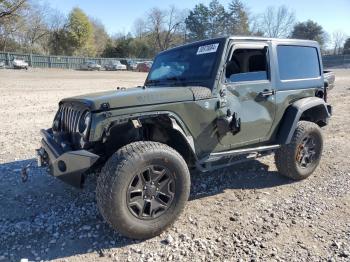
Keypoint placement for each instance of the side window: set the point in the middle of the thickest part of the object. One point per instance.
(247, 65)
(298, 62)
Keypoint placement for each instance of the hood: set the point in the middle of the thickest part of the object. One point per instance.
(132, 97)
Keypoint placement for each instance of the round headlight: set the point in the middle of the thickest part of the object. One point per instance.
(56, 125)
(84, 123)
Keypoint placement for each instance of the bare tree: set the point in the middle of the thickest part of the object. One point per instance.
(277, 22)
(338, 39)
(10, 7)
(255, 25)
(8, 28)
(57, 23)
(11, 12)
(164, 26)
(35, 26)
(139, 28)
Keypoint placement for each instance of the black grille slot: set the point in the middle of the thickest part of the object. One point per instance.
(70, 116)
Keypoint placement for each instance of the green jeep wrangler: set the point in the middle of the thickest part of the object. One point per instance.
(204, 105)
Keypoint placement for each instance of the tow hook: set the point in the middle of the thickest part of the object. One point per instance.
(24, 171)
(40, 162)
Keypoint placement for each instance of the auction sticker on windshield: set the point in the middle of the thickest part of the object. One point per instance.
(205, 49)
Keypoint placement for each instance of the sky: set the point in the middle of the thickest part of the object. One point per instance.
(118, 16)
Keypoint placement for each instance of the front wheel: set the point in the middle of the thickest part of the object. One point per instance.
(143, 188)
(299, 159)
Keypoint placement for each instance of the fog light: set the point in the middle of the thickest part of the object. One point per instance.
(62, 166)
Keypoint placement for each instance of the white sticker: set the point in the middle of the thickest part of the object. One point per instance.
(206, 49)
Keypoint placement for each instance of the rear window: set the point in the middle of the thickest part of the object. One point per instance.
(298, 62)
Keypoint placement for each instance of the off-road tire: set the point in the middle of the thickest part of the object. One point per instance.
(286, 156)
(116, 176)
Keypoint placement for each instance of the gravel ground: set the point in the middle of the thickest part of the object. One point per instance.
(246, 212)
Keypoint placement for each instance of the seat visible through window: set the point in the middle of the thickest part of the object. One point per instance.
(247, 65)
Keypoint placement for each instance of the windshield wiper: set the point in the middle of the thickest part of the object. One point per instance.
(174, 80)
(184, 81)
(153, 81)
(162, 81)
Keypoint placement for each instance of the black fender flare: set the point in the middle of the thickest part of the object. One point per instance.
(179, 127)
(176, 124)
(187, 138)
(294, 112)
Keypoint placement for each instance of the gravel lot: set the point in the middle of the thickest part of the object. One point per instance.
(247, 212)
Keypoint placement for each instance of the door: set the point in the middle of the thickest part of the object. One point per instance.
(249, 92)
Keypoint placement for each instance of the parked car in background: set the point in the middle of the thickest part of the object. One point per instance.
(2, 64)
(126, 63)
(143, 66)
(19, 63)
(115, 65)
(90, 65)
(133, 65)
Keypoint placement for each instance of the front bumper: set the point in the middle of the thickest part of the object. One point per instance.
(329, 109)
(65, 165)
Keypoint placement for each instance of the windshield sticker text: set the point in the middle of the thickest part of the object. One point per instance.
(205, 49)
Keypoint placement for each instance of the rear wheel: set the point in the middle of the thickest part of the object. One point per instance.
(143, 188)
(299, 159)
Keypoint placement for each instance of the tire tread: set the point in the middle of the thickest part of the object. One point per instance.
(113, 169)
(285, 156)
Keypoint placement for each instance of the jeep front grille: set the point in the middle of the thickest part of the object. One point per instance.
(69, 117)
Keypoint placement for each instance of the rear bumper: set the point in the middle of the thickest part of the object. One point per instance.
(66, 165)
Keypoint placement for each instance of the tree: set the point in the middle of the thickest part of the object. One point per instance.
(139, 28)
(11, 12)
(118, 47)
(100, 36)
(346, 49)
(80, 33)
(58, 39)
(164, 26)
(35, 29)
(255, 27)
(197, 23)
(238, 18)
(217, 19)
(140, 48)
(277, 22)
(309, 30)
(10, 8)
(338, 38)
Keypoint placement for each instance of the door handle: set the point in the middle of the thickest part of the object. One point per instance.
(267, 93)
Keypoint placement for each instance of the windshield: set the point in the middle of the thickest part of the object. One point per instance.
(189, 64)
